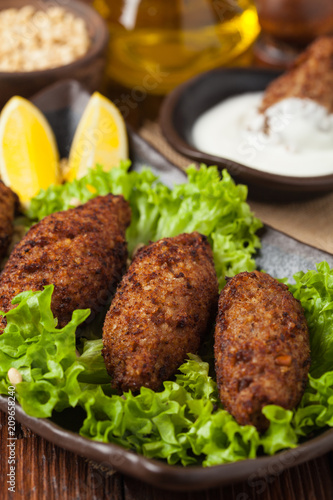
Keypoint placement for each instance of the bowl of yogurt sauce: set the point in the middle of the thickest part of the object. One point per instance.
(285, 152)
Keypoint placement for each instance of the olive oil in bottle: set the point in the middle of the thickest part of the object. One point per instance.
(157, 44)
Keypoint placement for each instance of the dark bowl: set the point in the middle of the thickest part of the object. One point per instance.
(187, 102)
(88, 70)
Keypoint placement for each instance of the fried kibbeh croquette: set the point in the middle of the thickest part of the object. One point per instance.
(81, 251)
(162, 309)
(311, 77)
(262, 353)
(8, 206)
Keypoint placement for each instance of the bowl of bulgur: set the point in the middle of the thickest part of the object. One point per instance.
(44, 41)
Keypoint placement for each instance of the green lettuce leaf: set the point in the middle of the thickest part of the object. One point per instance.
(315, 291)
(214, 206)
(44, 355)
(183, 423)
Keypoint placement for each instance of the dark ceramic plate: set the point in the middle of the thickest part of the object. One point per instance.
(63, 105)
(187, 102)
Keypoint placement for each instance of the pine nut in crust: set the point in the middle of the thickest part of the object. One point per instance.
(14, 376)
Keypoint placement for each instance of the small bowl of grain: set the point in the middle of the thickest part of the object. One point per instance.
(44, 41)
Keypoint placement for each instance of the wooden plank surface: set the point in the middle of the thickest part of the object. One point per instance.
(44, 471)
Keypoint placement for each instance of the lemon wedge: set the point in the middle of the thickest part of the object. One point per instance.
(29, 159)
(100, 138)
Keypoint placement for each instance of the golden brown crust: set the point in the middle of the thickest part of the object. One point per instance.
(310, 77)
(162, 309)
(8, 204)
(82, 251)
(262, 353)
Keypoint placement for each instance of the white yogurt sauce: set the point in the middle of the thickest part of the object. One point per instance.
(299, 142)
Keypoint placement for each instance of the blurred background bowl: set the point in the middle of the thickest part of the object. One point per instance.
(189, 101)
(88, 70)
